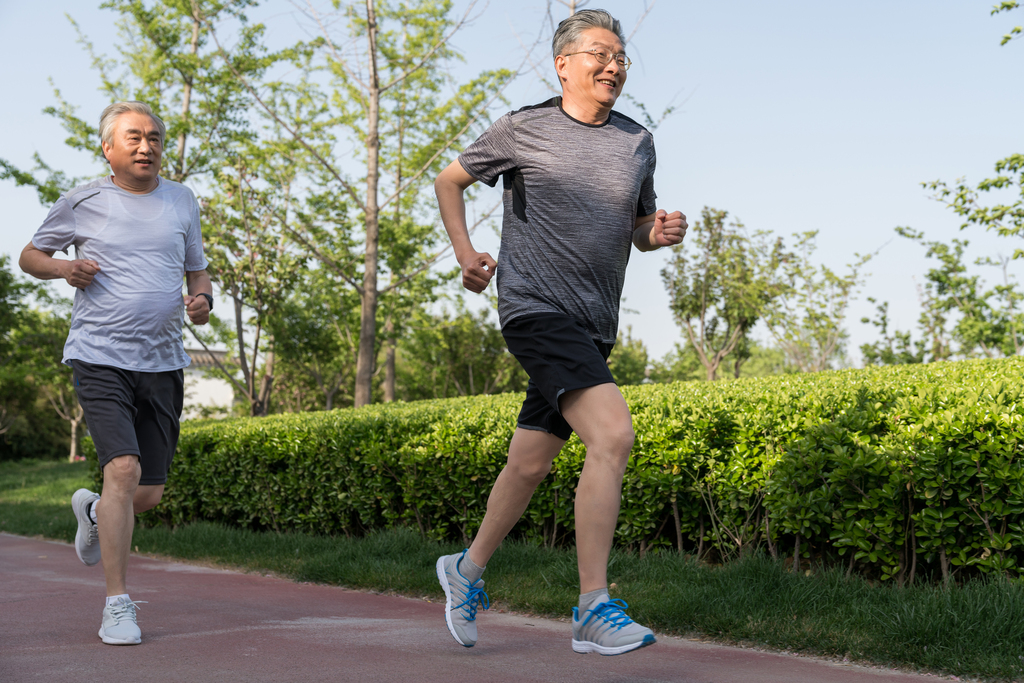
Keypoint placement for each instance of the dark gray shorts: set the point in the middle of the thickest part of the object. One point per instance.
(559, 356)
(132, 413)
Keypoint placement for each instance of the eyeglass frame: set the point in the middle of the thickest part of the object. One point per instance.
(592, 51)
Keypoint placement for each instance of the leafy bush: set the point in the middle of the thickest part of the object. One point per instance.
(897, 472)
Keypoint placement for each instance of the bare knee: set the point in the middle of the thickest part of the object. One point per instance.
(530, 472)
(122, 474)
(614, 445)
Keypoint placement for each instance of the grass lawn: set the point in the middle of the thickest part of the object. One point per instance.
(974, 630)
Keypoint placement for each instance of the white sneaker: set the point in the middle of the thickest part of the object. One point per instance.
(87, 540)
(119, 626)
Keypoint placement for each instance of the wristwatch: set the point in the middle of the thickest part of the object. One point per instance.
(209, 298)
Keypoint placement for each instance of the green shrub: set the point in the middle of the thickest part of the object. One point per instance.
(896, 472)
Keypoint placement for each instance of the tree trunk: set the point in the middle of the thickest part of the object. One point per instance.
(75, 422)
(389, 371)
(186, 96)
(368, 310)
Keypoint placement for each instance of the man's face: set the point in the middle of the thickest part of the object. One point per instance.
(586, 77)
(135, 151)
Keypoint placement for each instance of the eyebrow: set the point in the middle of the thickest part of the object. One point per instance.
(608, 47)
(139, 132)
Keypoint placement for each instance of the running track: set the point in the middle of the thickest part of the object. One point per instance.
(204, 624)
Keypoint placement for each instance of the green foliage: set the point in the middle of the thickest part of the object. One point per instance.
(458, 353)
(894, 349)
(720, 282)
(628, 359)
(806, 318)
(32, 379)
(959, 310)
(1006, 6)
(902, 473)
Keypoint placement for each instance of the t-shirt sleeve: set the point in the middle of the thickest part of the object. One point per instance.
(647, 202)
(492, 154)
(195, 259)
(57, 232)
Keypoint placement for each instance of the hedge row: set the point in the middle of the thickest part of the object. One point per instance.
(896, 472)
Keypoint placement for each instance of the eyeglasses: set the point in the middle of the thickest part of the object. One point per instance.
(604, 57)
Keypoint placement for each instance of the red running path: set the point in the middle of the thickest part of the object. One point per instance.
(203, 624)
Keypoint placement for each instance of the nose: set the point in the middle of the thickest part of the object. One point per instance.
(144, 146)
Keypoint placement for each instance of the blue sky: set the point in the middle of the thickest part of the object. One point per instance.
(791, 115)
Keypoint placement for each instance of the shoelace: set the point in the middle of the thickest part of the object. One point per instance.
(612, 612)
(93, 534)
(473, 597)
(120, 610)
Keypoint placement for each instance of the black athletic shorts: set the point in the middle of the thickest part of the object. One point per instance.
(559, 356)
(132, 413)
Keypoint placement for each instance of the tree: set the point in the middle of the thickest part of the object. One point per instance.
(982, 327)
(894, 349)
(165, 61)
(720, 282)
(806, 316)
(456, 353)
(399, 63)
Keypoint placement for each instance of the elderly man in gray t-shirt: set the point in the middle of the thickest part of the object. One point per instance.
(578, 191)
(136, 237)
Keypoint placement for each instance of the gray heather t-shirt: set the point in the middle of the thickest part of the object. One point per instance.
(130, 315)
(572, 193)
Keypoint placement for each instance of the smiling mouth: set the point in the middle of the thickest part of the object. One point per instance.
(609, 83)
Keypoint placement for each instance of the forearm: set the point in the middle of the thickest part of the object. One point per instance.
(643, 237)
(42, 265)
(450, 187)
(198, 282)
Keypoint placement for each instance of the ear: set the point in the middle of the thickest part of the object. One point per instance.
(561, 64)
(106, 150)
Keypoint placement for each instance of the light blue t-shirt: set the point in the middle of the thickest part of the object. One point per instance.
(130, 315)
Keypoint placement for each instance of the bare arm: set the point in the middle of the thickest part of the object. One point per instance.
(41, 264)
(197, 307)
(660, 229)
(477, 267)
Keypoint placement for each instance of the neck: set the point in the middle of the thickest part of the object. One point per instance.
(585, 112)
(128, 185)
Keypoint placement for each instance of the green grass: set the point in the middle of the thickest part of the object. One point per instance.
(973, 630)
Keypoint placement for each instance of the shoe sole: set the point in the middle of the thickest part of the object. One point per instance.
(118, 641)
(75, 507)
(442, 577)
(585, 647)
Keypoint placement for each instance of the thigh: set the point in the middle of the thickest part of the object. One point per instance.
(107, 398)
(158, 400)
(560, 357)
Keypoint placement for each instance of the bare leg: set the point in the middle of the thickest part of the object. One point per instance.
(116, 518)
(529, 460)
(146, 497)
(600, 416)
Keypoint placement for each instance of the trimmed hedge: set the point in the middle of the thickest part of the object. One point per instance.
(896, 472)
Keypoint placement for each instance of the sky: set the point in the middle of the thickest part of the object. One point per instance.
(790, 115)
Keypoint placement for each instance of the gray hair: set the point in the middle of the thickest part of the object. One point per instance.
(110, 115)
(570, 31)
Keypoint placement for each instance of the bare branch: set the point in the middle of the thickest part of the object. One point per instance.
(432, 51)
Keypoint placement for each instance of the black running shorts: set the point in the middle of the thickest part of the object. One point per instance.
(559, 356)
(132, 413)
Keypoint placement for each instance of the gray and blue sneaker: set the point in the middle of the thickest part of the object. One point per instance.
(607, 630)
(87, 540)
(119, 625)
(461, 599)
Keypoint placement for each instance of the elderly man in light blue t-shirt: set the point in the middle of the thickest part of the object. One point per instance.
(136, 237)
